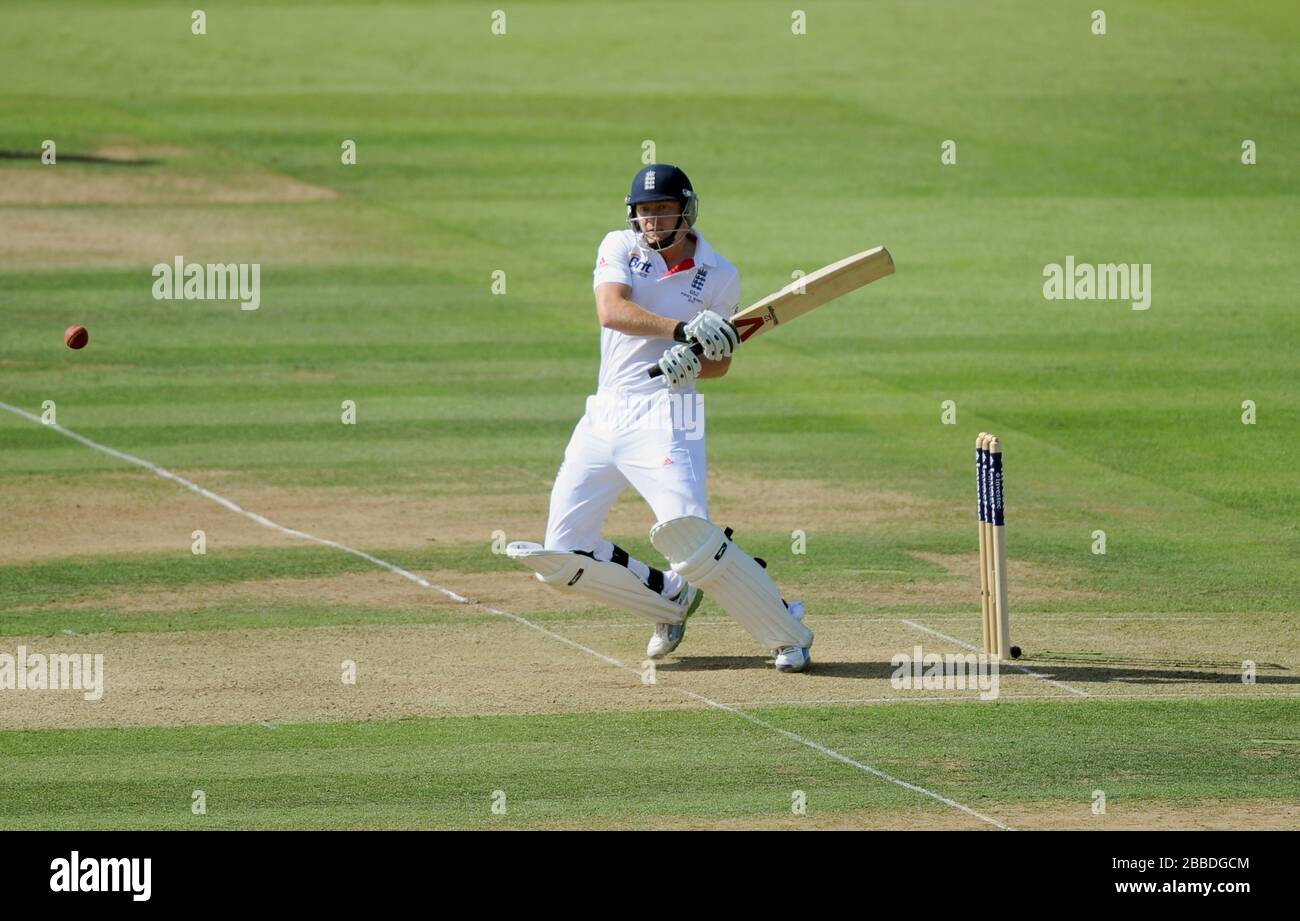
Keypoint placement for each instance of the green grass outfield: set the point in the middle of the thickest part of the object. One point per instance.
(601, 769)
(479, 153)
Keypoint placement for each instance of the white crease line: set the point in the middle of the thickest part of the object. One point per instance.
(1035, 617)
(953, 699)
(644, 624)
(1057, 615)
(853, 618)
(831, 753)
(522, 621)
(1029, 672)
(1112, 618)
(1003, 698)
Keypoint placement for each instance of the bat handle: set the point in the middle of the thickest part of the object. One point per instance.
(696, 347)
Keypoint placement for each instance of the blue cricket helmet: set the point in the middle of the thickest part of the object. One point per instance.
(663, 182)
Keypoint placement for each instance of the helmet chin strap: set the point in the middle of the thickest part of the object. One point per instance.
(661, 245)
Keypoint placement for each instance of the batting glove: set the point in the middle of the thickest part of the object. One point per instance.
(716, 333)
(680, 366)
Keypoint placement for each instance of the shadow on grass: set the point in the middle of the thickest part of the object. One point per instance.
(78, 158)
(1071, 669)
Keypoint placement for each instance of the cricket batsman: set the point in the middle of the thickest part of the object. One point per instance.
(660, 289)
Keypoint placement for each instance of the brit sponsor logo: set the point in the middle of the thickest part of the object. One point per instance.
(639, 265)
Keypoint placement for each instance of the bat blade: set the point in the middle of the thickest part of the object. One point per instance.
(808, 293)
(812, 291)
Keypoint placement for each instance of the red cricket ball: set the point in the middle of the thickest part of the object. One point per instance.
(76, 337)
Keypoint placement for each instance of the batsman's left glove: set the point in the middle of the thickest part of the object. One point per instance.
(715, 333)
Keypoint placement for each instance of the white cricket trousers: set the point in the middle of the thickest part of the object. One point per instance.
(652, 441)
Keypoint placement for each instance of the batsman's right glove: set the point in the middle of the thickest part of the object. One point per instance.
(680, 366)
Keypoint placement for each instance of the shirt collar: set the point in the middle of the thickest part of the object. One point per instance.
(704, 254)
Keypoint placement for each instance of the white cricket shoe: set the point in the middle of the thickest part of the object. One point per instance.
(668, 637)
(793, 658)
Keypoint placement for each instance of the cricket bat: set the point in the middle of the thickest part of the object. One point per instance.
(808, 293)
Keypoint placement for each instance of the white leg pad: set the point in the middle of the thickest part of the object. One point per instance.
(705, 557)
(608, 582)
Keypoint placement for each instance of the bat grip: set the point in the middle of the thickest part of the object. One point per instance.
(696, 347)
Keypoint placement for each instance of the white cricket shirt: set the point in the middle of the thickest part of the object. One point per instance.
(704, 282)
